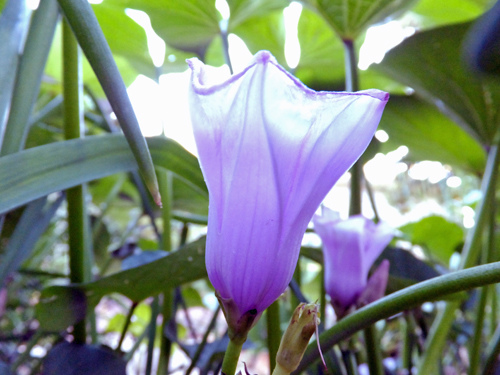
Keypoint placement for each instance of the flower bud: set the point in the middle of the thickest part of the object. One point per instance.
(294, 342)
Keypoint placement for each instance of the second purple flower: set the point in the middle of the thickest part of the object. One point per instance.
(349, 249)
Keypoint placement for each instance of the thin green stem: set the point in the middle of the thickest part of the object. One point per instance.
(73, 121)
(494, 308)
(297, 275)
(404, 299)
(231, 357)
(349, 362)
(155, 309)
(166, 344)
(203, 343)
(273, 332)
(373, 354)
(407, 328)
(472, 246)
(128, 319)
(322, 306)
(492, 353)
(476, 347)
(371, 196)
(351, 66)
(488, 256)
(351, 85)
(225, 44)
(165, 180)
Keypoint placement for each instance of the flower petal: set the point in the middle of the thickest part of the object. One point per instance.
(270, 149)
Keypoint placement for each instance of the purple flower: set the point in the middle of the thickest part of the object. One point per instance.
(270, 150)
(349, 248)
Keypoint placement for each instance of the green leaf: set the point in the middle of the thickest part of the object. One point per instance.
(264, 33)
(322, 55)
(429, 62)
(188, 25)
(244, 10)
(350, 18)
(125, 37)
(33, 223)
(90, 37)
(59, 308)
(180, 267)
(436, 234)
(429, 135)
(58, 166)
(405, 269)
(433, 13)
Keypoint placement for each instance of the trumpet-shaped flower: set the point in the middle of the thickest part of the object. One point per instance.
(270, 150)
(349, 249)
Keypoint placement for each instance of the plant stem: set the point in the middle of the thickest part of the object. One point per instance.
(231, 357)
(476, 347)
(273, 332)
(351, 66)
(155, 309)
(73, 121)
(126, 325)
(488, 256)
(203, 343)
(297, 276)
(492, 352)
(472, 246)
(349, 362)
(225, 44)
(374, 357)
(165, 180)
(351, 84)
(404, 299)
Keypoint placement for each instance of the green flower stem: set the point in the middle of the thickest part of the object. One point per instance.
(128, 319)
(476, 347)
(408, 328)
(29, 75)
(231, 357)
(472, 246)
(374, 356)
(351, 66)
(494, 308)
(165, 180)
(84, 23)
(352, 84)
(349, 362)
(404, 299)
(155, 310)
(225, 44)
(322, 302)
(297, 275)
(273, 332)
(73, 121)
(492, 352)
(489, 256)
